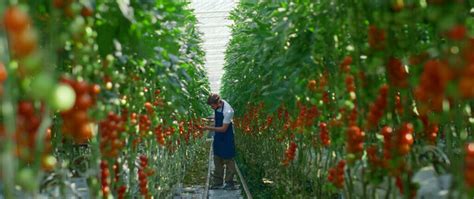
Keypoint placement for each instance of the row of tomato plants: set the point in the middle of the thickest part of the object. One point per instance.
(348, 97)
(109, 91)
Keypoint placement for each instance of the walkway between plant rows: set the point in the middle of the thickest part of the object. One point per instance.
(202, 191)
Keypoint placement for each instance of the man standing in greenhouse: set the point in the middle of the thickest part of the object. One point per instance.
(223, 144)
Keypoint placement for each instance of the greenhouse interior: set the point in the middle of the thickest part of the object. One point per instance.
(231, 99)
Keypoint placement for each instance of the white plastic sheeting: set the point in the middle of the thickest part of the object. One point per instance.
(213, 21)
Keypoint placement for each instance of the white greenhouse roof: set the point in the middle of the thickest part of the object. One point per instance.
(213, 21)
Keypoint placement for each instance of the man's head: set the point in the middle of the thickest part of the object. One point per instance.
(214, 100)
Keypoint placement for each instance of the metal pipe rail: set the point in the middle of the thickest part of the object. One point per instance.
(241, 178)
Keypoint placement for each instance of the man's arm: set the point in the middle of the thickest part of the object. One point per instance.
(228, 114)
(221, 129)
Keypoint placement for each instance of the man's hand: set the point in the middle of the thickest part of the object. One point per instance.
(221, 129)
(209, 119)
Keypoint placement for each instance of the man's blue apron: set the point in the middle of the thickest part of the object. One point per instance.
(223, 144)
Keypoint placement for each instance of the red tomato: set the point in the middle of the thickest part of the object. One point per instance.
(3, 73)
(15, 20)
(84, 101)
(58, 3)
(404, 149)
(24, 43)
(95, 89)
(458, 32)
(80, 117)
(312, 85)
(81, 87)
(470, 149)
(26, 108)
(87, 11)
(347, 61)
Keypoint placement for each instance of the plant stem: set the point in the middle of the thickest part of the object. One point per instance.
(364, 185)
(40, 135)
(389, 189)
(8, 162)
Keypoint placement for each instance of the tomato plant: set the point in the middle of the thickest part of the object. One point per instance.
(111, 92)
(345, 97)
(390, 80)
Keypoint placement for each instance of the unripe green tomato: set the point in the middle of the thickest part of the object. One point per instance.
(350, 157)
(109, 86)
(26, 179)
(49, 162)
(32, 63)
(77, 27)
(62, 98)
(123, 101)
(349, 104)
(41, 86)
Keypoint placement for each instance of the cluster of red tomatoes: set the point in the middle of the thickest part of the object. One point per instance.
(28, 123)
(376, 37)
(3, 77)
(160, 137)
(349, 79)
(121, 192)
(469, 165)
(324, 134)
(76, 124)
(431, 129)
(397, 74)
(396, 145)
(104, 178)
(245, 122)
(22, 37)
(355, 142)
(350, 84)
(336, 174)
(404, 138)
(144, 124)
(373, 157)
(66, 6)
(143, 173)
(305, 118)
(23, 41)
(149, 108)
(433, 82)
(269, 123)
(120, 189)
(111, 130)
(451, 68)
(290, 153)
(377, 108)
(161, 133)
